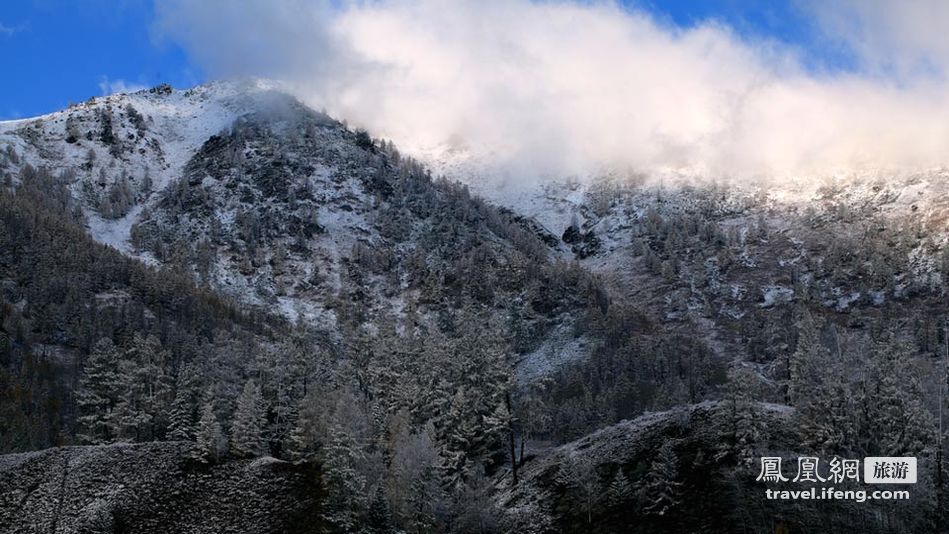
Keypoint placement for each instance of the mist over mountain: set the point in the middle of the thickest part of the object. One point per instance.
(538, 90)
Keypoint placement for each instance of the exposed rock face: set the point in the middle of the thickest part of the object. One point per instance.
(152, 488)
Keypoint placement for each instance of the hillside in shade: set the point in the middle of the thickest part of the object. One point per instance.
(151, 487)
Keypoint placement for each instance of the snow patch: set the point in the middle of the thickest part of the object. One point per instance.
(559, 348)
(775, 294)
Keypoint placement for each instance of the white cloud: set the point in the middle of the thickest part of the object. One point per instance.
(110, 87)
(7, 31)
(564, 87)
(905, 37)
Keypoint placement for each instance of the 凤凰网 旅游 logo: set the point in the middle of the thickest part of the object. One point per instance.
(876, 470)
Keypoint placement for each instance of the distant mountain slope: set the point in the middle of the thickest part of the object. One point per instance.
(731, 260)
(62, 292)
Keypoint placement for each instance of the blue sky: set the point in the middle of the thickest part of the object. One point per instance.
(53, 52)
(783, 20)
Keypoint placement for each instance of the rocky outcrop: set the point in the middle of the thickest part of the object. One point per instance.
(153, 488)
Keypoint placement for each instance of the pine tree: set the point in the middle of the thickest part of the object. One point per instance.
(475, 509)
(417, 496)
(533, 414)
(827, 421)
(619, 491)
(578, 475)
(283, 393)
(146, 389)
(806, 362)
(310, 427)
(741, 424)
(98, 393)
(346, 501)
(209, 436)
(470, 413)
(379, 518)
(894, 416)
(181, 420)
(249, 419)
(460, 430)
(661, 491)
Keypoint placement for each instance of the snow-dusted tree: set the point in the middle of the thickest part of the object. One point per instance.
(501, 422)
(98, 393)
(828, 421)
(209, 438)
(578, 475)
(146, 389)
(347, 501)
(312, 426)
(246, 434)
(806, 362)
(181, 419)
(895, 422)
(118, 200)
(379, 517)
(619, 491)
(476, 511)
(740, 422)
(418, 498)
(660, 491)
(533, 415)
(468, 393)
(283, 393)
(459, 430)
(324, 411)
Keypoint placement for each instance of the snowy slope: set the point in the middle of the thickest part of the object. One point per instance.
(277, 205)
(175, 124)
(152, 154)
(852, 241)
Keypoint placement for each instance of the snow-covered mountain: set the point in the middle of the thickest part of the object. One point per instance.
(282, 207)
(270, 201)
(282, 284)
(143, 138)
(711, 255)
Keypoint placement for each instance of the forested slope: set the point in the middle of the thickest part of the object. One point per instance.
(63, 293)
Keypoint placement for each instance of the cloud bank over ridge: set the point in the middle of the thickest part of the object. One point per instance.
(562, 88)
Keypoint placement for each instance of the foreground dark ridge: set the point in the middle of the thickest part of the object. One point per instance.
(152, 488)
(692, 469)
